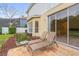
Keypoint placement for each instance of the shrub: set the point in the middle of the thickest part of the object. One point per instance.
(12, 30)
(0, 29)
(22, 36)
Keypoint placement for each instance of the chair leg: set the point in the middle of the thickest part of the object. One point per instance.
(30, 50)
(56, 43)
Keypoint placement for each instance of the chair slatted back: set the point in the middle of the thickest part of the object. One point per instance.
(43, 37)
(50, 36)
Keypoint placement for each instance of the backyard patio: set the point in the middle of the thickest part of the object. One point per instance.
(50, 34)
(23, 50)
(62, 50)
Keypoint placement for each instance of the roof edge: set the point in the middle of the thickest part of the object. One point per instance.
(33, 17)
(30, 7)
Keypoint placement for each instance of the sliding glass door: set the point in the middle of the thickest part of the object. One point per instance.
(66, 25)
(58, 23)
(61, 20)
(74, 25)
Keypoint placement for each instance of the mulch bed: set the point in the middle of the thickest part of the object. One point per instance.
(9, 44)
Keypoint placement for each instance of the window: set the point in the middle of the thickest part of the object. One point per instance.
(74, 25)
(58, 23)
(61, 20)
(30, 27)
(51, 23)
(36, 26)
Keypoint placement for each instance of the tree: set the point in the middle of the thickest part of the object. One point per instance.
(12, 29)
(8, 11)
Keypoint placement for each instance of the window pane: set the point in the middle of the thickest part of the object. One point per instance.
(51, 23)
(30, 27)
(36, 26)
(61, 19)
(74, 25)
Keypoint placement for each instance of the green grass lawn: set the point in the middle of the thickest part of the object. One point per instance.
(3, 38)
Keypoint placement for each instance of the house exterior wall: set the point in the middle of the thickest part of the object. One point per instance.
(33, 26)
(43, 20)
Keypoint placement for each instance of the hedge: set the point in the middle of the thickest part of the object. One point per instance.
(22, 36)
(12, 30)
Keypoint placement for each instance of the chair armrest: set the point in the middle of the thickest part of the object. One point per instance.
(34, 41)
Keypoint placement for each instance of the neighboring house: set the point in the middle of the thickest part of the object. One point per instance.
(20, 27)
(4, 22)
(62, 18)
(16, 21)
(21, 22)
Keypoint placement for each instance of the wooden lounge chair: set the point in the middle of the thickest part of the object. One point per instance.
(43, 37)
(49, 41)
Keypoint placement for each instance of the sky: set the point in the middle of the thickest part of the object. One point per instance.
(20, 7)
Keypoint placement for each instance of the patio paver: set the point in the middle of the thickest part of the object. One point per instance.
(62, 50)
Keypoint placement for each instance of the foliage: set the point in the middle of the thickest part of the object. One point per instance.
(12, 29)
(22, 36)
(3, 38)
(25, 25)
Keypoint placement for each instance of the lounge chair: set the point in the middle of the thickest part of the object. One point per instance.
(49, 41)
(43, 37)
